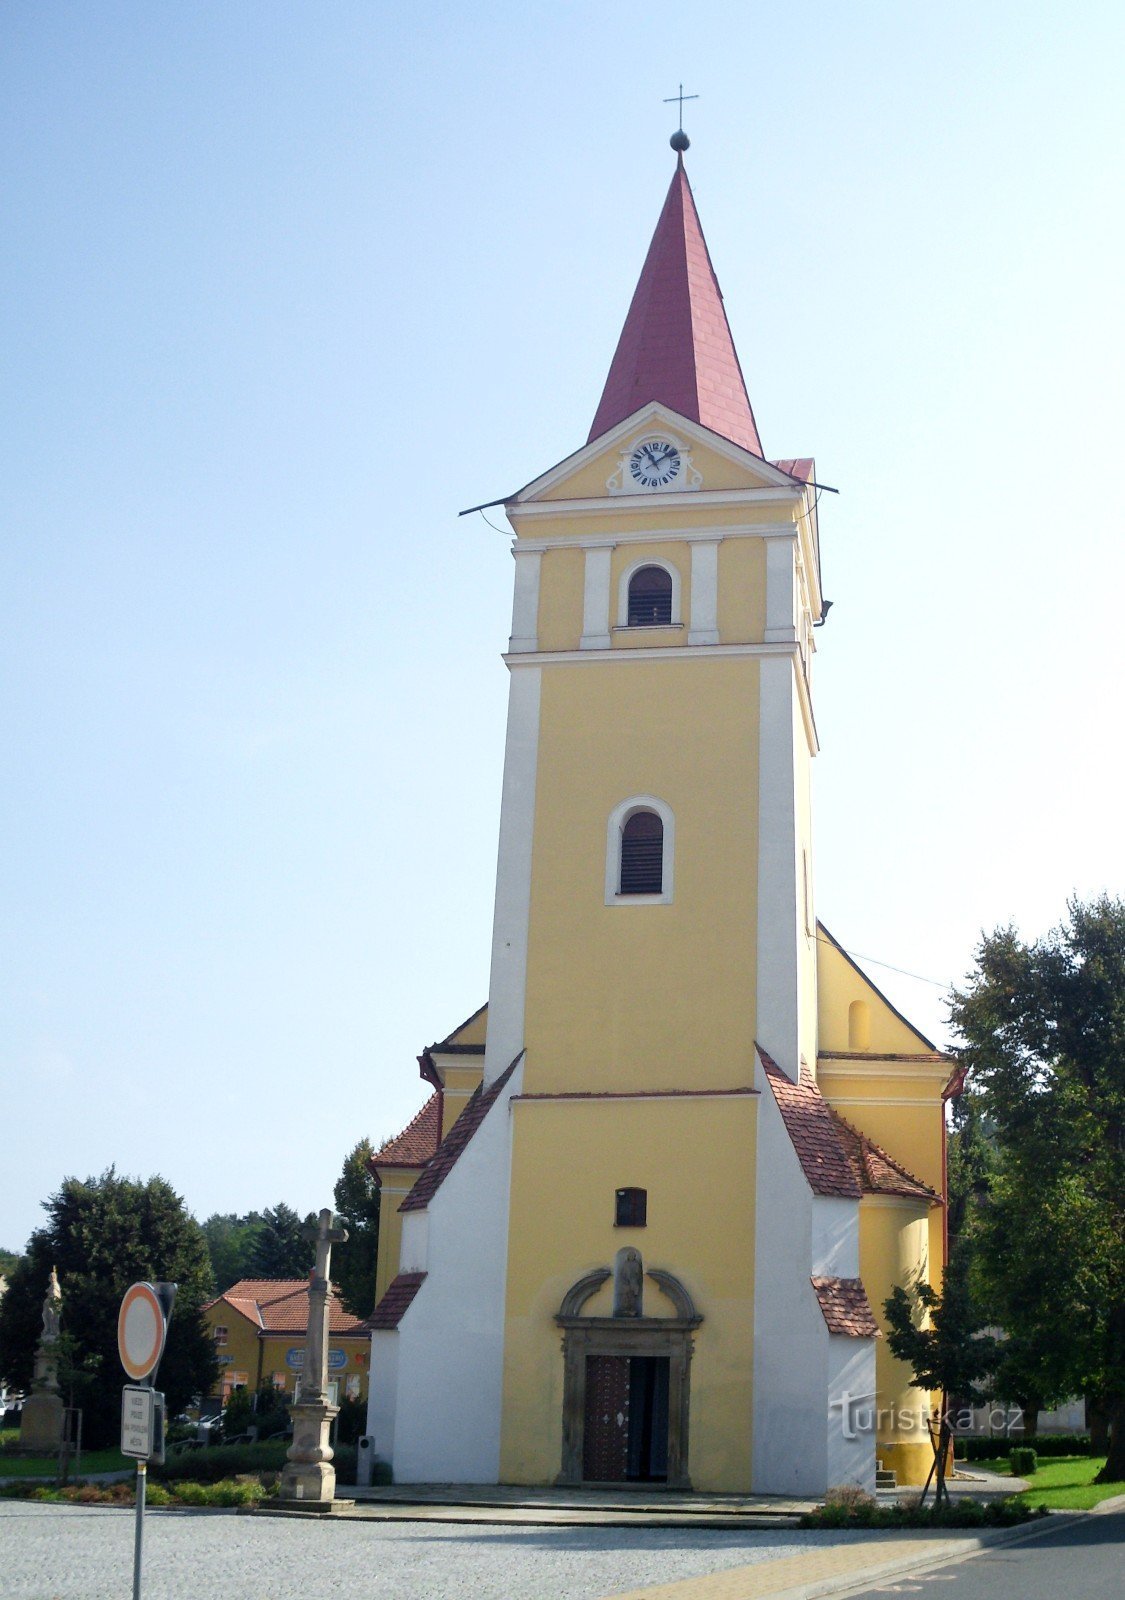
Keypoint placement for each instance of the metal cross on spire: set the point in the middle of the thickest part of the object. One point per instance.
(679, 140)
(680, 98)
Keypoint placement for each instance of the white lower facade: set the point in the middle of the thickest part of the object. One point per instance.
(435, 1394)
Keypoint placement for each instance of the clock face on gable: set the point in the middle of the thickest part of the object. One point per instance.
(655, 463)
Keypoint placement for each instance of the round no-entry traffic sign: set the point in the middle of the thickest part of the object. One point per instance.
(140, 1331)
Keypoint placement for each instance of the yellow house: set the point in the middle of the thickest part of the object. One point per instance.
(646, 1223)
(258, 1328)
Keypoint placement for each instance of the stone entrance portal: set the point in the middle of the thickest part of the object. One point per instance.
(626, 1387)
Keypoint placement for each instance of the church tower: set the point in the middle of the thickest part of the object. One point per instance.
(647, 1172)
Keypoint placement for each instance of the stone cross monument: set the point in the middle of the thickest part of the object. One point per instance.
(309, 1475)
(42, 1415)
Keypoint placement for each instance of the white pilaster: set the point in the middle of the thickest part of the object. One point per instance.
(781, 588)
(780, 902)
(704, 627)
(525, 601)
(595, 599)
(513, 875)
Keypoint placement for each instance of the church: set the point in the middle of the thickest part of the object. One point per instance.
(642, 1229)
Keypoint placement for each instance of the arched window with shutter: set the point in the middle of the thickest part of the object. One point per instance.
(642, 854)
(650, 598)
(639, 852)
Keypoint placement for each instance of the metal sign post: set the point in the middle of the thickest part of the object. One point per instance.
(142, 1327)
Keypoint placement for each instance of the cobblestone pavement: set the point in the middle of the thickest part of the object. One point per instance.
(86, 1553)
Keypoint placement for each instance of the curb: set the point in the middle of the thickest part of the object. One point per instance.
(958, 1550)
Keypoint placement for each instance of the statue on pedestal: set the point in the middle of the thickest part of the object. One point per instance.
(41, 1418)
(309, 1475)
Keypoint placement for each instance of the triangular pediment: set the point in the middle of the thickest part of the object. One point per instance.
(710, 463)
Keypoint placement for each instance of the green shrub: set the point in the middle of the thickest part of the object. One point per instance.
(223, 1461)
(1023, 1461)
(225, 1492)
(963, 1513)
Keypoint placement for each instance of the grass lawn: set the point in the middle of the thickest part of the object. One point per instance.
(1062, 1483)
(13, 1466)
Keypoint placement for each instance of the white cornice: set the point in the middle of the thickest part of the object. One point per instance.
(706, 535)
(782, 495)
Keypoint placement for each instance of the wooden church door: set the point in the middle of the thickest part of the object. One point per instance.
(625, 1434)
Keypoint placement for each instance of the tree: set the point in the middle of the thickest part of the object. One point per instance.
(357, 1204)
(9, 1260)
(939, 1337)
(231, 1242)
(102, 1234)
(1043, 1026)
(280, 1249)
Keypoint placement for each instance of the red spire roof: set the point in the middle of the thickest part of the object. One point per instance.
(676, 346)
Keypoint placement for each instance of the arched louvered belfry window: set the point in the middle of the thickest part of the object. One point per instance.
(642, 854)
(650, 598)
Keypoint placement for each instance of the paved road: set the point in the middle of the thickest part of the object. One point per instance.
(1085, 1561)
(86, 1553)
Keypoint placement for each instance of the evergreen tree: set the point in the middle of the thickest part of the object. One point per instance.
(231, 1241)
(357, 1204)
(102, 1234)
(280, 1250)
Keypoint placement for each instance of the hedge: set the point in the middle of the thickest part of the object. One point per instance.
(975, 1448)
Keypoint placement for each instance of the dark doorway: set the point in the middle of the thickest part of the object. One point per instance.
(625, 1437)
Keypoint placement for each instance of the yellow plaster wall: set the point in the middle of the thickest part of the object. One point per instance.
(561, 582)
(472, 1030)
(460, 1081)
(700, 1227)
(840, 984)
(614, 991)
(742, 591)
(894, 1243)
(240, 1352)
(396, 1183)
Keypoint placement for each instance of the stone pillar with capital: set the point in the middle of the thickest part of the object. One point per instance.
(309, 1476)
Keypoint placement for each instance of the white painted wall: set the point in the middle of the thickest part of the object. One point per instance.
(835, 1237)
(851, 1433)
(382, 1391)
(446, 1423)
(413, 1241)
(799, 1444)
(508, 981)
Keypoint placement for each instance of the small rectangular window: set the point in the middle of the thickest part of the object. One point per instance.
(219, 1333)
(632, 1208)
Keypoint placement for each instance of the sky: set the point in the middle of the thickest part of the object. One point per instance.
(284, 287)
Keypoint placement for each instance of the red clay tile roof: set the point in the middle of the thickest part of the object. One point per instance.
(281, 1305)
(846, 1307)
(476, 1109)
(418, 1141)
(396, 1301)
(676, 345)
(813, 1129)
(879, 1173)
(800, 467)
